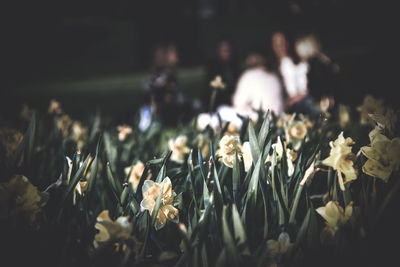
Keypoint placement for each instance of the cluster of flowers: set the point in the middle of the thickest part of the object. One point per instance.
(21, 201)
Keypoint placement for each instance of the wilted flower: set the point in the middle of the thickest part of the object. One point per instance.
(19, 200)
(123, 131)
(179, 148)
(111, 232)
(344, 115)
(341, 159)
(335, 216)
(383, 157)
(79, 134)
(167, 211)
(370, 106)
(386, 123)
(10, 139)
(55, 107)
(228, 145)
(64, 123)
(276, 249)
(136, 172)
(217, 82)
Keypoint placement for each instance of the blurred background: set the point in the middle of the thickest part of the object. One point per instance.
(97, 54)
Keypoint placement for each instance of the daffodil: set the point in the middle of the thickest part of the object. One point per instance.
(167, 211)
(19, 201)
(383, 157)
(228, 146)
(123, 132)
(179, 148)
(295, 131)
(135, 174)
(335, 216)
(291, 155)
(341, 159)
(217, 82)
(111, 232)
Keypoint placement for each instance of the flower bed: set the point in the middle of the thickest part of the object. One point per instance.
(279, 191)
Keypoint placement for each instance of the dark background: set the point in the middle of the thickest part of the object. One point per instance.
(66, 42)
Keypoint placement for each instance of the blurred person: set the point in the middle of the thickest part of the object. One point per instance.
(226, 66)
(161, 89)
(322, 74)
(257, 88)
(293, 69)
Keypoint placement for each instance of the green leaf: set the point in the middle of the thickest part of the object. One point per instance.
(162, 173)
(253, 185)
(295, 204)
(264, 192)
(236, 179)
(263, 133)
(229, 243)
(93, 171)
(255, 149)
(115, 185)
(75, 179)
(239, 231)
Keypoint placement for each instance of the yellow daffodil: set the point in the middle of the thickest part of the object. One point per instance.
(370, 105)
(136, 172)
(19, 200)
(228, 145)
(123, 132)
(334, 215)
(167, 211)
(217, 82)
(383, 157)
(341, 159)
(295, 131)
(291, 155)
(111, 232)
(179, 148)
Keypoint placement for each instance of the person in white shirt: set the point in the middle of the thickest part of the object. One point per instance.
(295, 74)
(257, 88)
